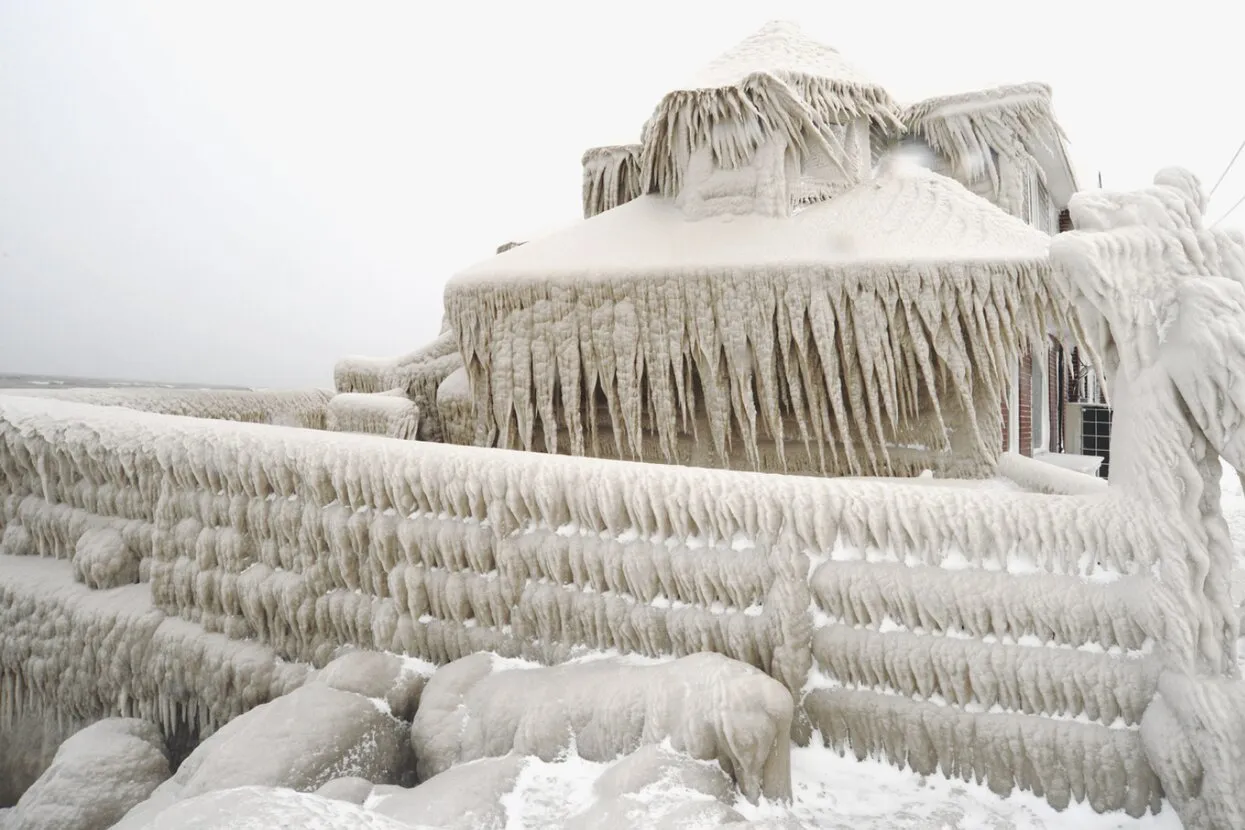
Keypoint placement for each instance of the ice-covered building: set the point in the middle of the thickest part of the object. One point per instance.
(767, 281)
(763, 283)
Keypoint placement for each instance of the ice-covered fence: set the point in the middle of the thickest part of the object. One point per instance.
(976, 632)
(77, 654)
(293, 407)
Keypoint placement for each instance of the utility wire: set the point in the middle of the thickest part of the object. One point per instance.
(1239, 202)
(1226, 170)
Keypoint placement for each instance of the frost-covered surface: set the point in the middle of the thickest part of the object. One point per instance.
(95, 778)
(301, 740)
(391, 414)
(1041, 477)
(441, 551)
(753, 339)
(264, 808)
(417, 374)
(992, 140)
(117, 655)
(611, 177)
(456, 408)
(707, 705)
(296, 408)
(775, 87)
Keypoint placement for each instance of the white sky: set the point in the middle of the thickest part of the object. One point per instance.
(243, 192)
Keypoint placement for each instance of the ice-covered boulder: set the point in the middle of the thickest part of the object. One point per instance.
(396, 680)
(707, 705)
(465, 797)
(28, 743)
(102, 559)
(301, 740)
(248, 808)
(96, 777)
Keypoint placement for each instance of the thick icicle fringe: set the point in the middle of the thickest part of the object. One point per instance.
(418, 374)
(857, 356)
(300, 408)
(389, 413)
(776, 84)
(733, 123)
(1060, 760)
(611, 177)
(456, 408)
(991, 136)
(92, 654)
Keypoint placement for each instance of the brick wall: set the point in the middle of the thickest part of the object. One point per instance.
(1054, 358)
(1007, 426)
(1024, 406)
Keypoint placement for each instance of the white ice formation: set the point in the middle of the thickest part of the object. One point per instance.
(994, 141)
(708, 706)
(95, 778)
(389, 413)
(611, 177)
(752, 308)
(295, 408)
(418, 374)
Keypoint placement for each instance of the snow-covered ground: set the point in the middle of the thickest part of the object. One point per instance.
(834, 793)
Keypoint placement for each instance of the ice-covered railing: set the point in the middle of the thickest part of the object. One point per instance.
(900, 614)
(389, 413)
(418, 374)
(297, 407)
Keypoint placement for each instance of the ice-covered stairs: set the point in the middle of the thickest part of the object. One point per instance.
(1035, 680)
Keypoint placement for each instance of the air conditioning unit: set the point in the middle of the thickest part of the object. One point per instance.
(1087, 431)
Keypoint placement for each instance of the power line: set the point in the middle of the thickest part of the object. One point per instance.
(1226, 170)
(1239, 202)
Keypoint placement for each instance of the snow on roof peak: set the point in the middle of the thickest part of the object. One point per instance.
(781, 48)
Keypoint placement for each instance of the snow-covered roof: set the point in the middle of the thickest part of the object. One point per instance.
(777, 82)
(904, 215)
(611, 177)
(912, 269)
(781, 48)
(972, 129)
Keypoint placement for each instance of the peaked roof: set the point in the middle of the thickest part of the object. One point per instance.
(776, 83)
(1016, 120)
(781, 48)
(906, 215)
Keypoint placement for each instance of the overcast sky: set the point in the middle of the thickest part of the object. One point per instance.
(243, 192)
